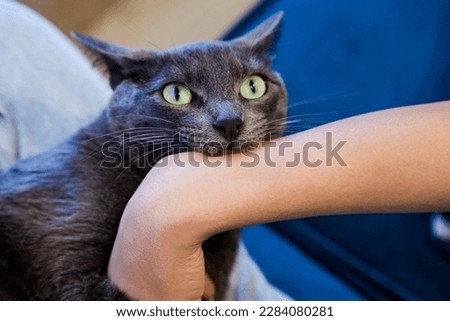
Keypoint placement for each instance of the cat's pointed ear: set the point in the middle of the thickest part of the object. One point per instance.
(261, 38)
(116, 60)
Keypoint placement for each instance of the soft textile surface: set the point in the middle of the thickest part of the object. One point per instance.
(47, 88)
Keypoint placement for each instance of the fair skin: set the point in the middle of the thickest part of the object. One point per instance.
(397, 161)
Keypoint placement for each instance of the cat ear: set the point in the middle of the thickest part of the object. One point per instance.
(261, 38)
(115, 59)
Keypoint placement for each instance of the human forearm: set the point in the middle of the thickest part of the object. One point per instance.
(397, 160)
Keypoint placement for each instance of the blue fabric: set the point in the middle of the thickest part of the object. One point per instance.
(292, 270)
(346, 57)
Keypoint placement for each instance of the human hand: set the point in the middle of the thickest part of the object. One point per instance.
(157, 254)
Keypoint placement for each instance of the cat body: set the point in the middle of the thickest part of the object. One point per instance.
(60, 210)
(57, 234)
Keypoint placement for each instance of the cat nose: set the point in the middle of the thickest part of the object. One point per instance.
(229, 125)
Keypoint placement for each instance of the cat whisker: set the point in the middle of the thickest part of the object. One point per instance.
(128, 143)
(147, 136)
(307, 121)
(299, 116)
(329, 113)
(118, 133)
(134, 132)
(156, 152)
(142, 116)
(323, 98)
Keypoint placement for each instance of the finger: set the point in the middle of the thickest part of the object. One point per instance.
(210, 289)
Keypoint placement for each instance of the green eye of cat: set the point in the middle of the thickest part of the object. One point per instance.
(253, 87)
(177, 94)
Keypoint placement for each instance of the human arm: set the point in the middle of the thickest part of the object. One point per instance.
(397, 161)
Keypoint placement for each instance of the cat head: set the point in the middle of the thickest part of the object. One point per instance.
(209, 96)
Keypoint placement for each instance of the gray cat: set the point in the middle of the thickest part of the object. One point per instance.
(60, 211)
